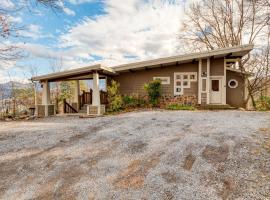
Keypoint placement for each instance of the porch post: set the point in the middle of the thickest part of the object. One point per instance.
(200, 82)
(224, 85)
(96, 94)
(46, 96)
(208, 81)
(77, 93)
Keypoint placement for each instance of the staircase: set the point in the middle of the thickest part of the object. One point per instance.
(83, 109)
(84, 99)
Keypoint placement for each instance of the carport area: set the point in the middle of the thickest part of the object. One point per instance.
(92, 100)
(139, 155)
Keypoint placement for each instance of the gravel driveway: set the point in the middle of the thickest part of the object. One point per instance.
(143, 155)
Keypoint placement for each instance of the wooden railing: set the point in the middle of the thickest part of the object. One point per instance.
(86, 98)
(68, 108)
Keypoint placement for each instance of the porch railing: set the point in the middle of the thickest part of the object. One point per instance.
(86, 98)
(68, 108)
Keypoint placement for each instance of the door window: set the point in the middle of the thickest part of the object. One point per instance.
(215, 85)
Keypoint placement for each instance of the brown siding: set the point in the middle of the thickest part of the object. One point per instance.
(217, 67)
(235, 96)
(132, 82)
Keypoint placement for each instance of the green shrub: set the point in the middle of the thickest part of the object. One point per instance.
(180, 107)
(153, 89)
(263, 104)
(133, 102)
(129, 101)
(115, 100)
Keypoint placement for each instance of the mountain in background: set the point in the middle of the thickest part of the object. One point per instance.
(6, 88)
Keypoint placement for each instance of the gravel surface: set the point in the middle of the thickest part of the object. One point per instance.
(139, 155)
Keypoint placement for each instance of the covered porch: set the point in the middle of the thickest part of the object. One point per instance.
(92, 101)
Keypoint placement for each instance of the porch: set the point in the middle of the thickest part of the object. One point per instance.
(91, 102)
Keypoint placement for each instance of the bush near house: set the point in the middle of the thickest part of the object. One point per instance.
(179, 107)
(263, 104)
(153, 88)
(130, 101)
(115, 100)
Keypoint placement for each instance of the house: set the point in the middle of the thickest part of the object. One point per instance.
(208, 78)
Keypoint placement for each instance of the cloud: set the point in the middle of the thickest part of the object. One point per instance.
(65, 9)
(69, 11)
(76, 2)
(136, 29)
(34, 31)
(7, 4)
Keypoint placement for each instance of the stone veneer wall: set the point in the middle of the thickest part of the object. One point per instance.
(182, 100)
(41, 110)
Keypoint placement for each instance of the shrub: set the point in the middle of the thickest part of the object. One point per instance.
(129, 101)
(179, 107)
(132, 101)
(263, 103)
(153, 89)
(115, 100)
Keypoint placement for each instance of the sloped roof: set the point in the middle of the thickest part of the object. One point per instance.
(236, 51)
(75, 72)
(232, 51)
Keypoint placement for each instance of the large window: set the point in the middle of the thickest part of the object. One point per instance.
(182, 81)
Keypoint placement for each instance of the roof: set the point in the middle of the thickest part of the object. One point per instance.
(232, 51)
(75, 73)
(84, 72)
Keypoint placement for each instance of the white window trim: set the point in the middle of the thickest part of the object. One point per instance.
(233, 87)
(181, 74)
(168, 81)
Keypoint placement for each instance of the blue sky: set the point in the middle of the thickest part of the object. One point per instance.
(86, 32)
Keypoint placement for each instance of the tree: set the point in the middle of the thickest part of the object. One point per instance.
(213, 24)
(11, 52)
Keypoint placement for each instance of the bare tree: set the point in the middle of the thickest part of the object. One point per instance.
(213, 24)
(8, 28)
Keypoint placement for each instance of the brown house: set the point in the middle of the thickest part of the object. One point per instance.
(209, 78)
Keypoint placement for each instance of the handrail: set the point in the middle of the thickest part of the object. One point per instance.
(68, 108)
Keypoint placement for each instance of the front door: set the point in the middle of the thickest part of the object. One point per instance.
(215, 90)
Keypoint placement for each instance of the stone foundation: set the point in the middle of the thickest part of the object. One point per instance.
(41, 109)
(95, 110)
(191, 100)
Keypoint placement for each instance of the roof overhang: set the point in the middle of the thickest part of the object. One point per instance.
(76, 74)
(230, 52)
(236, 52)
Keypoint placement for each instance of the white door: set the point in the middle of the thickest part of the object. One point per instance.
(216, 90)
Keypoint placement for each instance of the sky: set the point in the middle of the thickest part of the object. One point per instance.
(86, 32)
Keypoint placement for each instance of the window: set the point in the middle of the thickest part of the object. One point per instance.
(233, 83)
(215, 85)
(203, 85)
(164, 80)
(183, 80)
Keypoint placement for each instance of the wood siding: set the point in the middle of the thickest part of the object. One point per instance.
(235, 96)
(132, 82)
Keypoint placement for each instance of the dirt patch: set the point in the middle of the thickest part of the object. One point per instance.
(67, 178)
(133, 176)
(213, 154)
(169, 177)
(189, 161)
(227, 188)
(137, 147)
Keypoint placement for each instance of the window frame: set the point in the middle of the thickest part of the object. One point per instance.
(229, 83)
(188, 80)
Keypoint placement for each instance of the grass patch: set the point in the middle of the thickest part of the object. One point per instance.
(180, 107)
